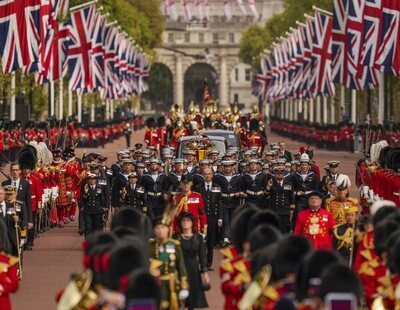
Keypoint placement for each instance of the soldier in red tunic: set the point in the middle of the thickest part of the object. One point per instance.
(73, 171)
(151, 135)
(179, 132)
(162, 132)
(254, 138)
(315, 223)
(192, 202)
(9, 281)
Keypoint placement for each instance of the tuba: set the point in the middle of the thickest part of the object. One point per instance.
(79, 293)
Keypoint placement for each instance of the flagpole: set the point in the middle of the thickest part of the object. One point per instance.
(332, 111)
(92, 108)
(12, 103)
(51, 98)
(69, 102)
(325, 111)
(61, 100)
(315, 8)
(112, 109)
(381, 104)
(83, 5)
(107, 109)
(79, 108)
(311, 111)
(353, 105)
(318, 110)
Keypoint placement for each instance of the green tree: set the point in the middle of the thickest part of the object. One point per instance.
(254, 40)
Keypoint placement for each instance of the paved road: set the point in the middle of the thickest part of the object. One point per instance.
(57, 253)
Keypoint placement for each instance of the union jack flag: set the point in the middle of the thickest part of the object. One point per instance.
(54, 47)
(307, 35)
(20, 33)
(298, 73)
(97, 53)
(80, 47)
(388, 56)
(111, 80)
(339, 42)
(354, 31)
(321, 77)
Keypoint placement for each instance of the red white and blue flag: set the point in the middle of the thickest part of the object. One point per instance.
(20, 33)
(321, 77)
(80, 48)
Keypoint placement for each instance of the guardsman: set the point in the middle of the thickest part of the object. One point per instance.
(154, 183)
(162, 132)
(120, 181)
(281, 199)
(151, 135)
(93, 200)
(344, 235)
(133, 195)
(190, 201)
(211, 194)
(304, 182)
(254, 183)
(337, 206)
(254, 138)
(9, 281)
(230, 184)
(74, 171)
(332, 175)
(167, 265)
(178, 132)
(315, 223)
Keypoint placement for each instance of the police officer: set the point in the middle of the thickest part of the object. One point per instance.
(133, 195)
(230, 184)
(155, 186)
(211, 194)
(93, 200)
(254, 183)
(281, 199)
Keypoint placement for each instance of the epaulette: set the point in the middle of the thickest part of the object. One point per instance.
(353, 200)
(328, 200)
(177, 242)
(18, 201)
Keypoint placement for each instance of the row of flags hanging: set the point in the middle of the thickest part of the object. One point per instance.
(202, 9)
(39, 37)
(352, 47)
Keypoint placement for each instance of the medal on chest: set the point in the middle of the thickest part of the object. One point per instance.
(314, 225)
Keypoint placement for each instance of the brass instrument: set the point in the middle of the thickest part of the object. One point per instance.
(79, 293)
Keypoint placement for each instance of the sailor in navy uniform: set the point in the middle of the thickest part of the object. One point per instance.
(254, 184)
(133, 195)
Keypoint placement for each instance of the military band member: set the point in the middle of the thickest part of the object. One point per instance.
(337, 205)
(133, 195)
(281, 199)
(190, 201)
(254, 183)
(154, 183)
(230, 184)
(168, 265)
(211, 194)
(93, 202)
(315, 223)
(344, 235)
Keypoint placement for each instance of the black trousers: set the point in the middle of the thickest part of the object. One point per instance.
(285, 224)
(227, 217)
(211, 239)
(31, 232)
(92, 222)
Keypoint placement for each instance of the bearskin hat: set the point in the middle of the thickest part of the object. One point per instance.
(27, 157)
(151, 122)
(254, 125)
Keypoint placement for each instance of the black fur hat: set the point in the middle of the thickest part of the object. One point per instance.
(264, 217)
(239, 228)
(141, 288)
(254, 125)
(151, 122)
(27, 157)
(132, 218)
(161, 121)
(122, 259)
(291, 250)
(262, 236)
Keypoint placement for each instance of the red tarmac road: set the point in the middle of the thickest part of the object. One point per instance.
(57, 253)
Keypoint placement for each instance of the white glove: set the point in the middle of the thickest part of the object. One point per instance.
(183, 294)
(219, 223)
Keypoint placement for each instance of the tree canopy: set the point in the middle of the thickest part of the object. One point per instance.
(257, 38)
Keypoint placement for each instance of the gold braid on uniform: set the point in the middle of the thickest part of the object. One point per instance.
(345, 239)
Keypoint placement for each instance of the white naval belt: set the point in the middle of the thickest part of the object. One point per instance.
(254, 193)
(154, 194)
(227, 195)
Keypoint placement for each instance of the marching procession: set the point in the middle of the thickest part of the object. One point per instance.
(289, 234)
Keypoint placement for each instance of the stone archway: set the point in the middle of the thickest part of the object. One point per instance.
(161, 88)
(194, 79)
